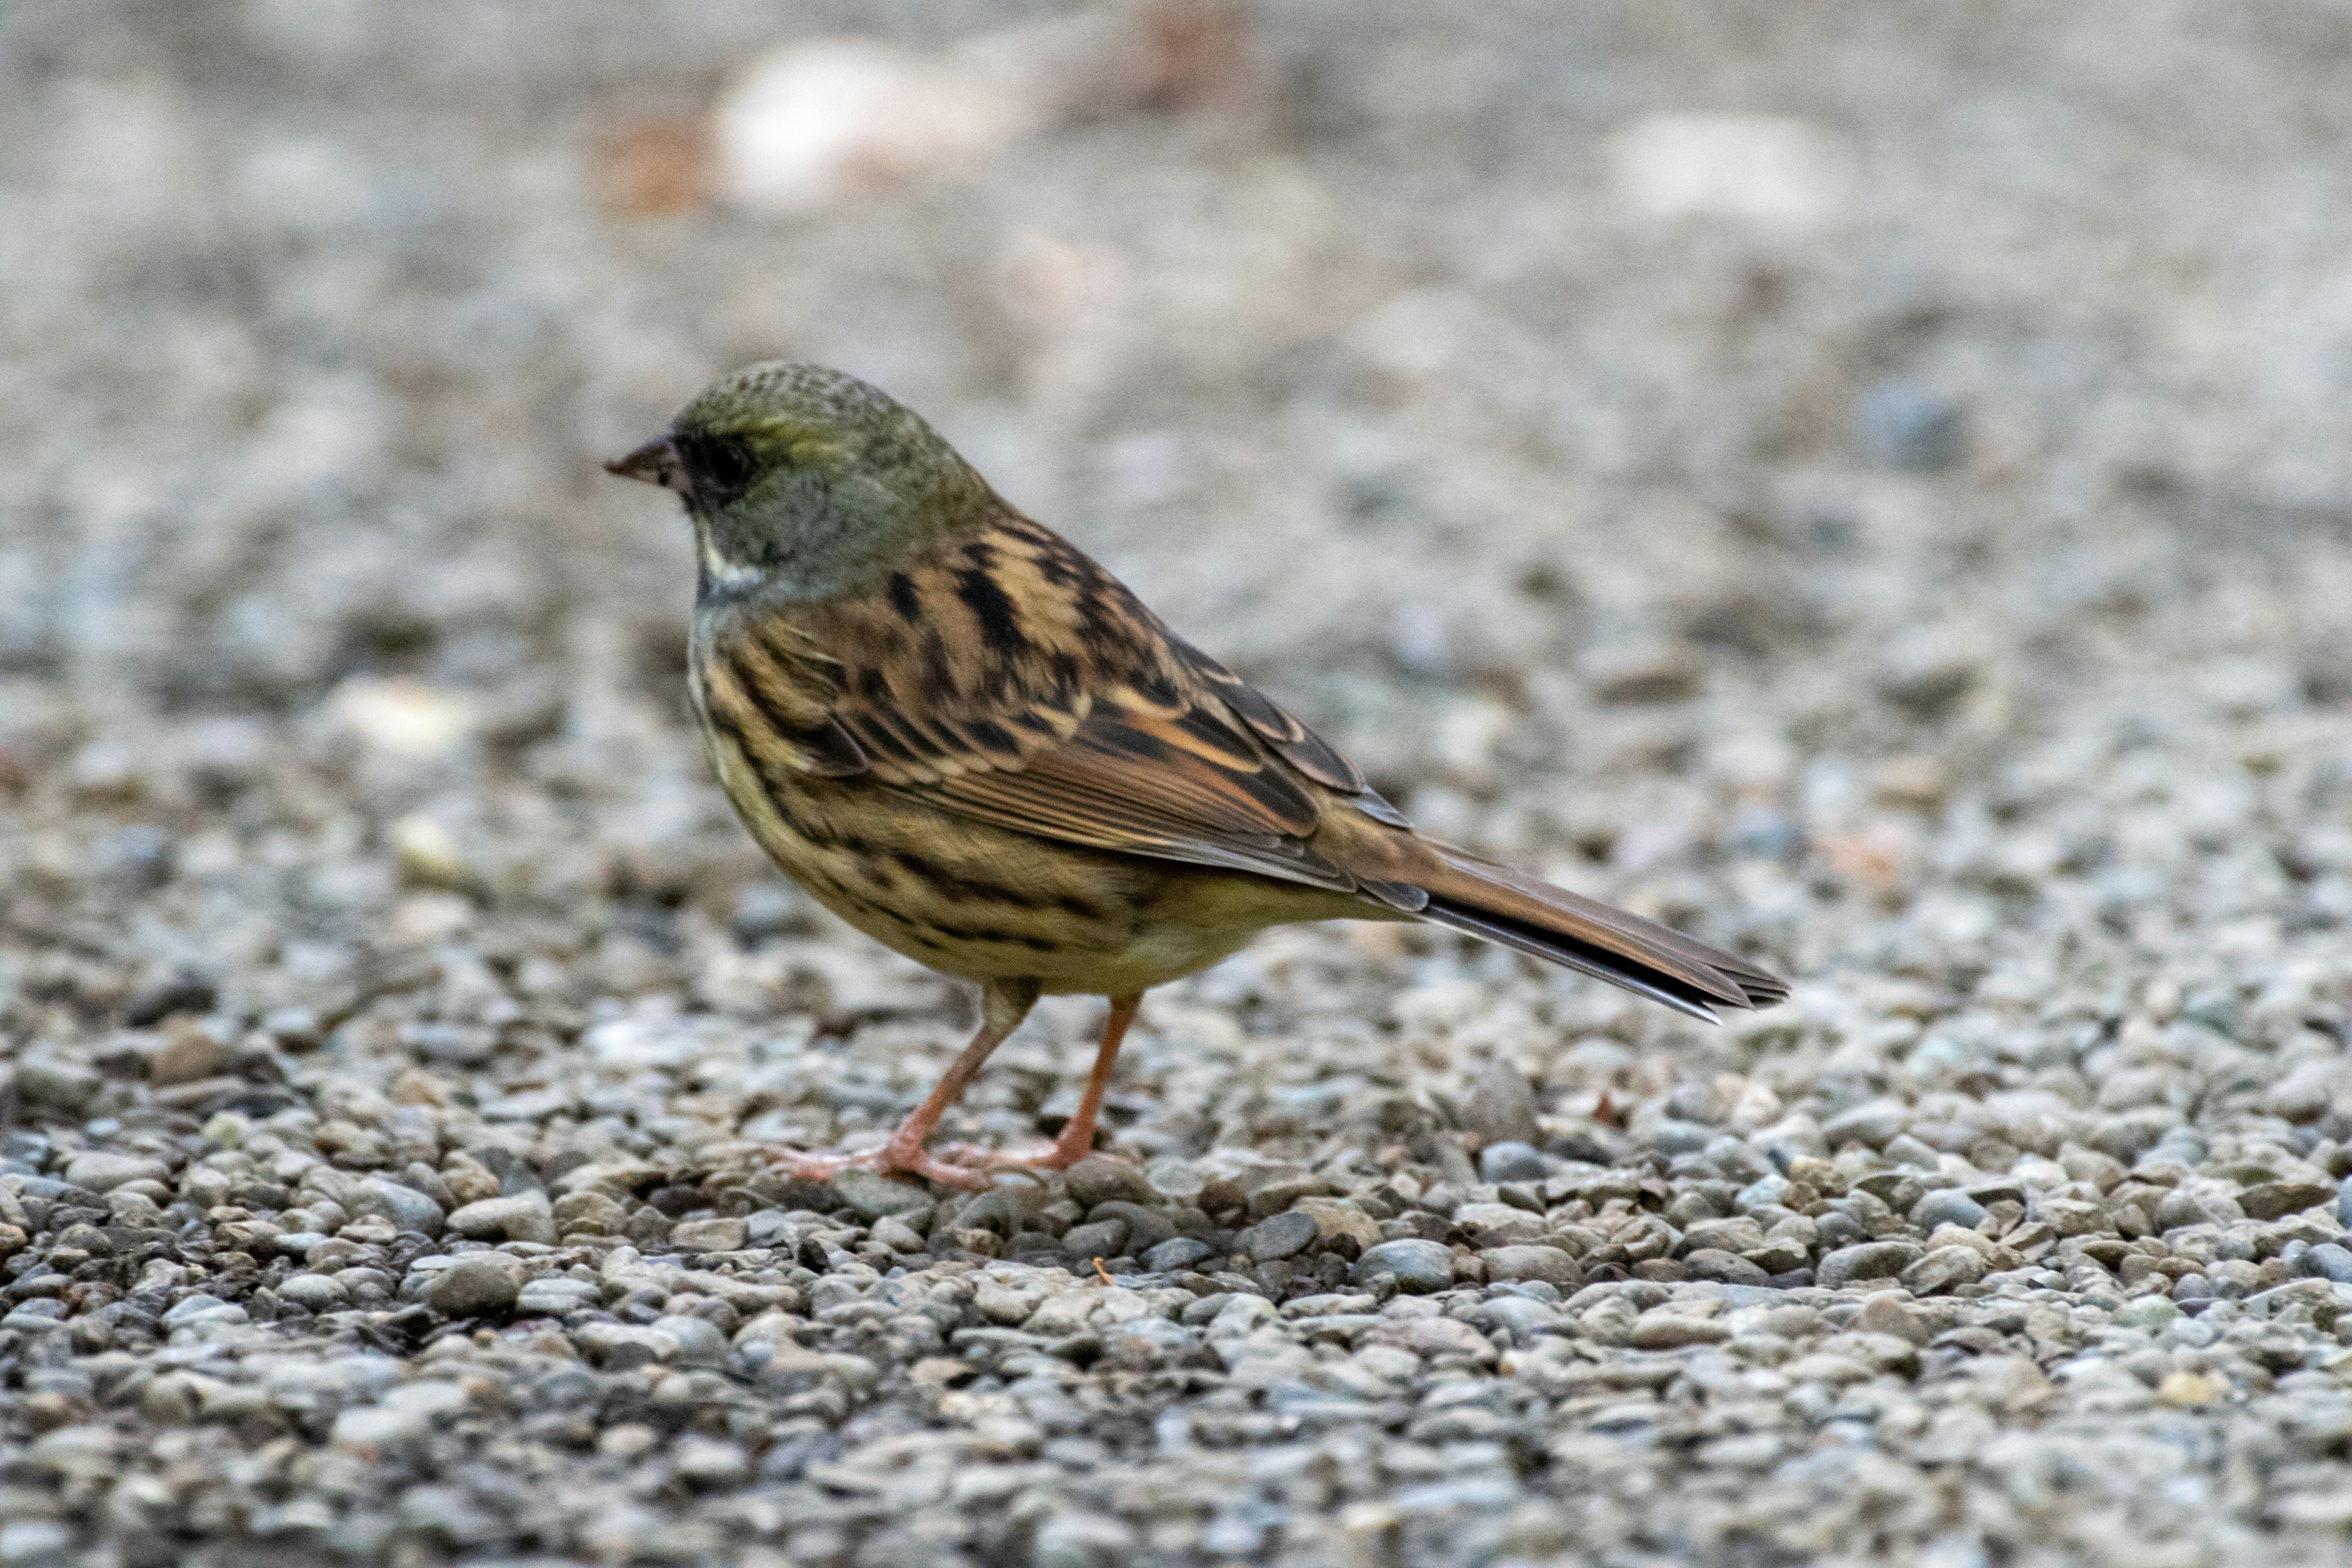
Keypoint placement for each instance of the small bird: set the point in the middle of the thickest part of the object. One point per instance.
(975, 746)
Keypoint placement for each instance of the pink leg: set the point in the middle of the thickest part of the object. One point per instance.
(1077, 1137)
(1002, 1005)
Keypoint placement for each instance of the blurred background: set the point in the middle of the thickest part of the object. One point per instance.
(1741, 457)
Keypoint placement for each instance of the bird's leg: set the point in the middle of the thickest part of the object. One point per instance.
(1002, 1005)
(1077, 1135)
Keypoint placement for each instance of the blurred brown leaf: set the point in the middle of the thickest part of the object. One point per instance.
(650, 167)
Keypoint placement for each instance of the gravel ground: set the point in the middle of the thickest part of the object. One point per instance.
(1907, 537)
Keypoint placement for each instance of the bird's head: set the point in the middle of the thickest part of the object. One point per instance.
(805, 482)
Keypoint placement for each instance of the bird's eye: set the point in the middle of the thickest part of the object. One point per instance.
(720, 467)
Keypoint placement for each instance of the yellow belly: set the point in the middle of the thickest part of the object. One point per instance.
(984, 902)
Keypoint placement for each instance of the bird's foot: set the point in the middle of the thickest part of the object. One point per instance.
(891, 1159)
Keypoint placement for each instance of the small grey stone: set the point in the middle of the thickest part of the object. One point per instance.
(1552, 1265)
(33, 1543)
(2179, 1207)
(554, 1296)
(1145, 1227)
(1661, 1328)
(699, 1342)
(875, 1195)
(1417, 1267)
(67, 1086)
(696, 1235)
(101, 1170)
(622, 1347)
(1181, 1253)
(2275, 1200)
(1510, 1161)
(707, 1462)
(2329, 1261)
(723, 1235)
(1903, 424)
(1888, 1315)
(505, 1219)
(2192, 1288)
(1641, 672)
(36, 1316)
(1739, 1160)
(1671, 1137)
(1946, 1206)
(1909, 1151)
(189, 1307)
(1502, 1107)
(1071, 1539)
(1874, 1122)
(1866, 1260)
(1715, 1263)
(1837, 1228)
(1943, 1268)
(404, 1206)
(996, 1209)
(1102, 1179)
(2344, 1202)
(314, 1293)
(477, 1285)
(1282, 1236)
(1103, 1238)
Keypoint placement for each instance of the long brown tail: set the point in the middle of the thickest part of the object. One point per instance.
(1477, 896)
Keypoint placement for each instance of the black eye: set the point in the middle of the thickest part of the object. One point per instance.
(719, 467)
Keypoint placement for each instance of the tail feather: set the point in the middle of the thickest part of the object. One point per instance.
(1472, 895)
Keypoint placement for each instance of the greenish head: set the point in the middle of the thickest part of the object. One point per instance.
(805, 482)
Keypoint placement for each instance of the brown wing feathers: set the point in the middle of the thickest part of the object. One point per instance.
(1052, 702)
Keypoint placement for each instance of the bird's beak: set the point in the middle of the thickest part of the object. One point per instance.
(656, 462)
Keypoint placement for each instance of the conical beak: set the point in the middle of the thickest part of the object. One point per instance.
(656, 462)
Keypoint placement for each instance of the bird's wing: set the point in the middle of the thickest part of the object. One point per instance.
(1010, 680)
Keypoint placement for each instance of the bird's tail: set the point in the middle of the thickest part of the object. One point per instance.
(1473, 895)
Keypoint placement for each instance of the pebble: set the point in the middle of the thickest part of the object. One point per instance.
(189, 1056)
(1943, 1268)
(404, 1206)
(874, 1195)
(1416, 1267)
(699, 1342)
(1865, 1261)
(1283, 1235)
(624, 1347)
(1946, 1206)
(554, 1296)
(1102, 1238)
(1905, 424)
(33, 1542)
(1874, 1123)
(1502, 1108)
(504, 1219)
(99, 1171)
(1180, 1252)
(314, 1293)
(1103, 1179)
(477, 1285)
(1552, 1265)
(1663, 1329)
(1511, 1162)
(723, 1234)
